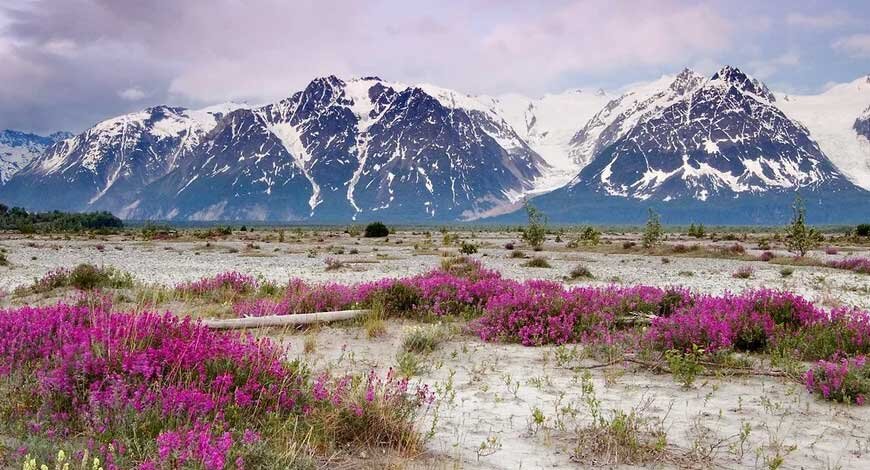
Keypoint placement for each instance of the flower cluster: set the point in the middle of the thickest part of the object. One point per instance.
(228, 281)
(846, 380)
(856, 264)
(199, 396)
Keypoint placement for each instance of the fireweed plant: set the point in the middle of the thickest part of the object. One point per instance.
(155, 391)
(152, 390)
(538, 312)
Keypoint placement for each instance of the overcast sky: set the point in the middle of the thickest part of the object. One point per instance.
(66, 64)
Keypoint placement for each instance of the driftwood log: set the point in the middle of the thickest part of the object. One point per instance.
(282, 320)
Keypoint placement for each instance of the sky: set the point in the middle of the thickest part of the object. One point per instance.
(67, 64)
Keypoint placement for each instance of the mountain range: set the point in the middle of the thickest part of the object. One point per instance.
(718, 149)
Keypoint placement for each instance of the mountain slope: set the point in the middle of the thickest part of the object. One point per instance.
(548, 124)
(107, 164)
(366, 148)
(834, 121)
(723, 141)
(18, 149)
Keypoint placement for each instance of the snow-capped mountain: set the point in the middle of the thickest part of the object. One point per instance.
(620, 115)
(103, 166)
(723, 137)
(725, 147)
(360, 148)
(18, 149)
(718, 140)
(834, 119)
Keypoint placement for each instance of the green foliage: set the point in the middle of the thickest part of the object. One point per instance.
(376, 230)
(653, 234)
(697, 231)
(423, 339)
(537, 262)
(535, 232)
(799, 238)
(468, 248)
(88, 277)
(588, 236)
(19, 219)
(863, 230)
(685, 366)
(580, 272)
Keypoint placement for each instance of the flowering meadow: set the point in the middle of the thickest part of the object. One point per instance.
(155, 391)
(538, 312)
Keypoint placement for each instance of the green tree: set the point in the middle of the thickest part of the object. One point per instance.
(535, 232)
(653, 233)
(799, 238)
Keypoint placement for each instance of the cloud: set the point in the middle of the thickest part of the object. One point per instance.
(856, 45)
(132, 94)
(766, 68)
(823, 21)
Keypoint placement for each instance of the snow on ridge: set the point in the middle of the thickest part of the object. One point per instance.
(830, 118)
(292, 141)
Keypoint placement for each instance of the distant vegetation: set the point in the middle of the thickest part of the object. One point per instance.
(19, 219)
(376, 230)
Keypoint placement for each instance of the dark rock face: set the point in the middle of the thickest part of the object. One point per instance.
(862, 124)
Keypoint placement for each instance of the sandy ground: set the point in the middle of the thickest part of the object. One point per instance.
(169, 262)
(783, 419)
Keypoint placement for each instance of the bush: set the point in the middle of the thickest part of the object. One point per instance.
(628, 245)
(863, 230)
(580, 272)
(799, 238)
(697, 231)
(468, 248)
(831, 250)
(590, 236)
(4, 261)
(517, 254)
(653, 234)
(509, 246)
(423, 339)
(535, 233)
(537, 262)
(376, 230)
(766, 256)
(744, 272)
(786, 272)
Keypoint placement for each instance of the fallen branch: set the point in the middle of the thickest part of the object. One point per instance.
(282, 320)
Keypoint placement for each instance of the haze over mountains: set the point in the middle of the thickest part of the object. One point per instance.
(718, 149)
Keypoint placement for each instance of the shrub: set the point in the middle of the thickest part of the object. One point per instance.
(376, 230)
(333, 264)
(863, 230)
(696, 231)
(537, 262)
(468, 248)
(517, 254)
(743, 272)
(831, 250)
(536, 230)
(628, 245)
(423, 339)
(786, 271)
(579, 272)
(799, 238)
(84, 277)
(653, 233)
(766, 256)
(4, 261)
(509, 246)
(590, 236)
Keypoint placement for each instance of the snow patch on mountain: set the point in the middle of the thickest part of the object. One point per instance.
(830, 118)
(289, 136)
